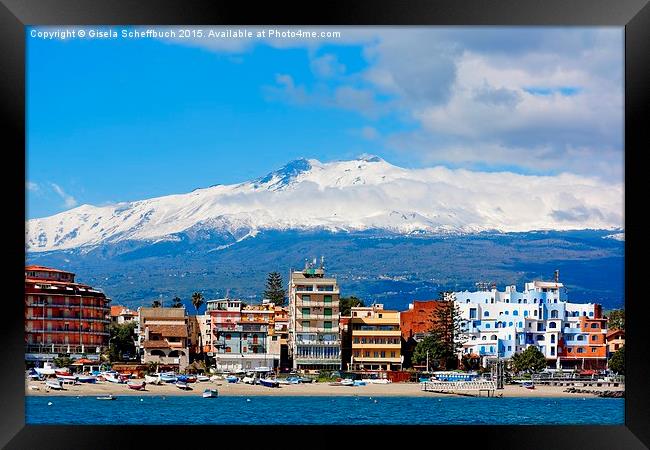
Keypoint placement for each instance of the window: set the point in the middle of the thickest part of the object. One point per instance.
(486, 314)
(328, 324)
(521, 324)
(484, 338)
(510, 348)
(554, 314)
(306, 298)
(593, 349)
(507, 313)
(472, 313)
(493, 337)
(327, 298)
(552, 351)
(328, 312)
(392, 354)
(228, 349)
(591, 313)
(245, 349)
(581, 350)
(305, 312)
(525, 313)
(535, 313)
(569, 350)
(551, 324)
(228, 337)
(552, 339)
(594, 337)
(580, 338)
(366, 354)
(487, 325)
(305, 323)
(515, 313)
(383, 354)
(594, 325)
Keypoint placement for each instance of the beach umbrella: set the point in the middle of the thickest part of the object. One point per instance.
(82, 361)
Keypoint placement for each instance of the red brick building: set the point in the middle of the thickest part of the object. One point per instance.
(62, 316)
(415, 323)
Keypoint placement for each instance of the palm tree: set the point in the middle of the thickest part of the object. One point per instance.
(197, 301)
(176, 302)
(155, 304)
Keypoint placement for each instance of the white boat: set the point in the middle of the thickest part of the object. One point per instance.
(107, 397)
(210, 393)
(248, 380)
(67, 377)
(347, 382)
(216, 378)
(202, 378)
(376, 380)
(54, 384)
(111, 377)
(152, 379)
(183, 385)
(283, 381)
(44, 371)
(168, 377)
(87, 379)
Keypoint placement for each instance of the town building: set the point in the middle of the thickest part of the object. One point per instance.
(63, 317)
(415, 324)
(121, 315)
(200, 334)
(615, 341)
(500, 324)
(241, 338)
(280, 337)
(314, 339)
(376, 338)
(163, 337)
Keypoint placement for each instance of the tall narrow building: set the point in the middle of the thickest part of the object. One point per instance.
(314, 336)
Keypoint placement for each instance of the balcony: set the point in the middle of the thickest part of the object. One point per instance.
(74, 319)
(63, 348)
(317, 317)
(63, 305)
(71, 330)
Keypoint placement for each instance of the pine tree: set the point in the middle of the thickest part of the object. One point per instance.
(446, 327)
(274, 290)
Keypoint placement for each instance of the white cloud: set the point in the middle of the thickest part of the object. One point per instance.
(68, 200)
(31, 186)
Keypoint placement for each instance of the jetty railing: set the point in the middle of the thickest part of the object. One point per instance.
(460, 386)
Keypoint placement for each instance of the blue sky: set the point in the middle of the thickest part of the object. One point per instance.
(127, 119)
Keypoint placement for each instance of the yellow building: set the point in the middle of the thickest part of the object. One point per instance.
(376, 339)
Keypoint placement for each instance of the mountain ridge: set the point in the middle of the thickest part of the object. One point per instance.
(342, 196)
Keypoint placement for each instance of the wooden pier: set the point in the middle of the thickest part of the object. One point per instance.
(461, 387)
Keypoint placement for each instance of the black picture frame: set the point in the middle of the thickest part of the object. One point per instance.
(634, 15)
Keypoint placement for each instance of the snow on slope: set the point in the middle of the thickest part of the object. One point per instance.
(361, 194)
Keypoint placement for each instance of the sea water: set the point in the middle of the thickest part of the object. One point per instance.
(252, 410)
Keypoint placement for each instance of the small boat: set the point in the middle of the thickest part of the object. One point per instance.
(232, 379)
(282, 381)
(377, 380)
(359, 383)
(347, 382)
(106, 397)
(216, 378)
(62, 371)
(191, 378)
(269, 382)
(528, 385)
(54, 384)
(210, 393)
(306, 380)
(248, 380)
(183, 378)
(86, 379)
(138, 386)
(202, 378)
(183, 385)
(44, 371)
(112, 378)
(168, 377)
(152, 379)
(67, 377)
(293, 380)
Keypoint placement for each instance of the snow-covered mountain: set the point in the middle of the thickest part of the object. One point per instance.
(362, 194)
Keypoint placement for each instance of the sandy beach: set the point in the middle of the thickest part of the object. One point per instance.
(311, 389)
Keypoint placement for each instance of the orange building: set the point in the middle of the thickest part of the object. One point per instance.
(615, 341)
(586, 349)
(415, 323)
(62, 316)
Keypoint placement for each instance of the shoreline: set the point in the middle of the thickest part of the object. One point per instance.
(311, 389)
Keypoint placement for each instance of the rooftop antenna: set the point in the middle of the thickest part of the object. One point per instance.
(322, 262)
(557, 275)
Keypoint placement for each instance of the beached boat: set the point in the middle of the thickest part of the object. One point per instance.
(168, 377)
(306, 380)
(112, 377)
(293, 380)
(214, 378)
(347, 382)
(45, 371)
(64, 371)
(135, 385)
(191, 378)
(248, 379)
(232, 379)
(528, 385)
(269, 382)
(86, 379)
(202, 378)
(376, 380)
(210, 393)
(152, 379)
(359, 383)
(67, 377)
(183, 385)
(106, 397)
(282, 381)
(54, 384)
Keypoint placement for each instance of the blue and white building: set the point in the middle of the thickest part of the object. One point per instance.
(499, 324)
